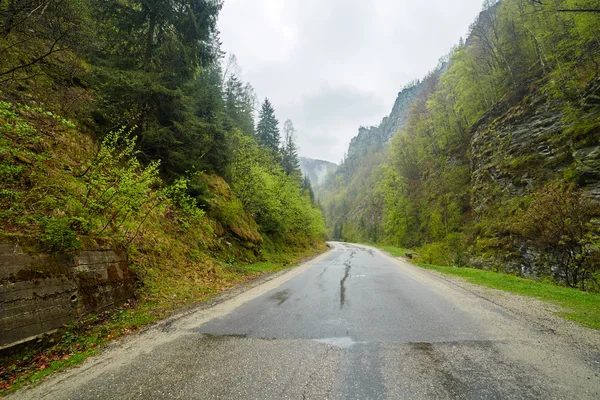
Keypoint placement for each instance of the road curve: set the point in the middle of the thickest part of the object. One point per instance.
(352, 324)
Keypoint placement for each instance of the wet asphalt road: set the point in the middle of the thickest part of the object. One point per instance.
(355, 324)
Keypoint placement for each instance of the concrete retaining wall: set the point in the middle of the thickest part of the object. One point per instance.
(41, 292)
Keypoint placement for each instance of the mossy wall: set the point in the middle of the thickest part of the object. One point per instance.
(42, 292)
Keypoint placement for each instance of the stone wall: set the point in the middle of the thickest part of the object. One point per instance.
(41, 292)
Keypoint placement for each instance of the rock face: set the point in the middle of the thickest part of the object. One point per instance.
(374, 138)
(41, 292)
(519, 148)
(316, 170)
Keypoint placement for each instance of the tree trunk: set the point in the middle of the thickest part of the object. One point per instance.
(150, 39)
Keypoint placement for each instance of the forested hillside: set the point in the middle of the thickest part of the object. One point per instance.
(123, 127)
(352, 201)
(497, 166)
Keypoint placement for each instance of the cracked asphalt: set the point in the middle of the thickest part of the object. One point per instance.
(351, 324)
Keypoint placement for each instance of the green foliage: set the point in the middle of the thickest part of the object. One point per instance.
(187, 206)
(289, 152)
(558, 223)
(307, 189)
(119, 191)
(60, 234)
(156, 67)
(271, 196)
(239, 104)
(34, 31)
(267, 130)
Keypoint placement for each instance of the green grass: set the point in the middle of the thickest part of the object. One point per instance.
(395, 251)
(265, 267)
(578, 306)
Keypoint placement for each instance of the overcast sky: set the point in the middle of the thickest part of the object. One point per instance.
(333, 65)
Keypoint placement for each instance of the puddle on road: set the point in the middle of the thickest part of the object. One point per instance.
(341, 342)
(281, 297)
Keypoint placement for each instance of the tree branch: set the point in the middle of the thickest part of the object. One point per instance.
(38, 59)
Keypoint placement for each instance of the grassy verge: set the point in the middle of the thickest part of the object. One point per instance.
(394, 251)
(87, 337)
(581, 307)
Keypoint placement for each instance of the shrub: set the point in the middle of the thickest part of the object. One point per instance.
(60, 234)
(559, 224)
(436, 254)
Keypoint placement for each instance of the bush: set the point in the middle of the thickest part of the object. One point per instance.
(559, 224)
(274, 199)
(60, 234)
(436, 254)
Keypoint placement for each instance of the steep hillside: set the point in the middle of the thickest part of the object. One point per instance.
(133, 181)
(498, 165)
(495, 162)
(88, 223)
(316, 170)
(351, 197)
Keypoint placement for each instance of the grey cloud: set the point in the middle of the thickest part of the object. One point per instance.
(334, 65)
(320, 116)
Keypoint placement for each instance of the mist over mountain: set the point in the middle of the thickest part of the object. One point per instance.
(316, 170)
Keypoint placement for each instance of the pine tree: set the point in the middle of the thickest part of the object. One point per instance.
(307, 189)
(267, 130)
(239, 104)
(289, 151)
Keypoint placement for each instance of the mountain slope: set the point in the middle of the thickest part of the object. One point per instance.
(316, 170)
(351, 197)
(497, 167)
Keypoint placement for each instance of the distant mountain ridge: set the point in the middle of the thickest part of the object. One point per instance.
(316, 170)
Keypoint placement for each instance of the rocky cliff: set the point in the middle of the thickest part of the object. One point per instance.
(516, 149)
(374, 138)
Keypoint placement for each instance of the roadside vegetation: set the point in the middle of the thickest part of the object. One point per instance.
(124, 126)
(496, 165)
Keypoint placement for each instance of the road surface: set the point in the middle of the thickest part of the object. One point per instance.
(352, 324)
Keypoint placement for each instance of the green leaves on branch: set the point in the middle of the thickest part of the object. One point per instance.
(119, 191)
(560, 224)
(121, 195)
(187, 207)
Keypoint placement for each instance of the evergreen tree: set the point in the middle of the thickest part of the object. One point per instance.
(307, 189)
(289, 151)
(268, 128)
(153, 69)
(239, 104)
